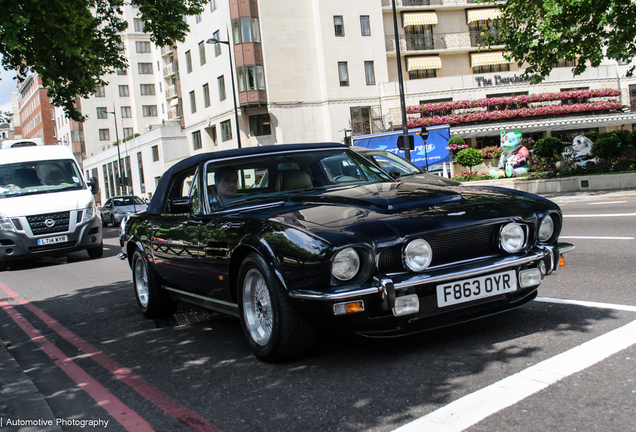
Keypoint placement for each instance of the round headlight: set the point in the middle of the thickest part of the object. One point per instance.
(512, 237)
(346, 264)
(418, 255)
(546, 229)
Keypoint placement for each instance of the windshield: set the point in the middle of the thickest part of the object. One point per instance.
(244, 178)
(32, 177)
(391, 162)
(127, 201)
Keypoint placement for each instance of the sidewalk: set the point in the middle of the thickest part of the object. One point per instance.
(20, 399)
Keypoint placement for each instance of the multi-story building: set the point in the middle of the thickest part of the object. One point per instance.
(36, 114)
(307, 71)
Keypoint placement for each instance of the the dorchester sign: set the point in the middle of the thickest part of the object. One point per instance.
(499, 80)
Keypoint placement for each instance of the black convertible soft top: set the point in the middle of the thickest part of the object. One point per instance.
(157, 203)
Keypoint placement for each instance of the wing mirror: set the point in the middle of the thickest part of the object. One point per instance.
(395, 175)
(179, 205)
(94, 185)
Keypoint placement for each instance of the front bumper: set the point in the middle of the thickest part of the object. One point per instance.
(21, 244)
(379, 295)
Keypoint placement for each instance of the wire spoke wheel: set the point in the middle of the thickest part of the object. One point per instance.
(141, 282)
(257, 307)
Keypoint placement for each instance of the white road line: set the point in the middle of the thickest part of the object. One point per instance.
(588, 304)
(596, 238)
(602, 215)
(475, 407)
(607, 202)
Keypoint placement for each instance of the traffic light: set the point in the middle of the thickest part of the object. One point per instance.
(410, 141)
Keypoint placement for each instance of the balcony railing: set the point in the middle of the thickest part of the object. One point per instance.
(477, 39)
(171, 92)
(440, 41)
(400, 3)
(168, 70)
(173, 113)
(165, 50)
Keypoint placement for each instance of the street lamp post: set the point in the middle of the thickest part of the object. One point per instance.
(405, 126)
(215, 41)
(118, 153)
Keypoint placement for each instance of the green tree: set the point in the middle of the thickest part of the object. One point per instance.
(543, 32)
(73, 44)
(5, 117)
(549, 148)
(469, 157)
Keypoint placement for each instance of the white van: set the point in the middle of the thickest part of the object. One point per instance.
(46, 206)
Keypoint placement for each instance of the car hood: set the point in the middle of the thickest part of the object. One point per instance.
(387, 210)
(41, 203)
(427, 178)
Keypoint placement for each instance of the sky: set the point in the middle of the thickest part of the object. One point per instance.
(7, 86)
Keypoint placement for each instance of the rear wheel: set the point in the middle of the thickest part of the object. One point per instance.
(104, 222)
(112, 220)
(275, 330)
(96, 252)
(152, 300)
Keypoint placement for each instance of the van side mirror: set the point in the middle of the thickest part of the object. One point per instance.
(94, 185)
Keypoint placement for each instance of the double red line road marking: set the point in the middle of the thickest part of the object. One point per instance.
(128, 418)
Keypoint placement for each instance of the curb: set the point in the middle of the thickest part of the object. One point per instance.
(20, 400)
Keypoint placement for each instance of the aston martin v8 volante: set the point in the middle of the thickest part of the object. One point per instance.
(290, 238)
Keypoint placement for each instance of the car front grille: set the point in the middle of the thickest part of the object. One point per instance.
(447, 247)
(39, 226)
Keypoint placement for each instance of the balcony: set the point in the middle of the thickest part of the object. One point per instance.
(173, 113)
(169, 70)
(419, 3)
(166, 50)
(440, 41)
(171, 92)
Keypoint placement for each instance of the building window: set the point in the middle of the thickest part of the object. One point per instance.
(206, 95)
(122, 71)
(226, 130)
(212, 5)
(491, 68)
(199, 18)
(221, 81)
(246, 30)
(142, 46)
(343, 74)
(369, 72)
(193, 102)
(53, 115)
(260, 125)
(123, 91)
(155, 153)
(147, 89)
(128, 133)
(138, 24)
(54, 133)
(251, 78)
(365, 25)
(338, 25)
(100, 91)
(104, 135)
(217, 46)
(140, 166)
(196, 140)
(126, 112)
(102, 113)
(423, 73)
(145, 68)
(188, 57)
(202, 52)
(149, 110)
(566, 63)
(212, 134)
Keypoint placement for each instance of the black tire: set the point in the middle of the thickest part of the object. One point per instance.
(3, 265)
(151, 299)
(276, 331)
(112, 220)
(96, 252)
(104, 222)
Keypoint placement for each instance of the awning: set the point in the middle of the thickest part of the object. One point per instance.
(419, 18)
(422, 63)
(487, 59)
(174, 102)
(482, 14)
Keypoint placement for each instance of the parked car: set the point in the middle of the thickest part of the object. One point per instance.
(407, 170)
(291, 237)
(118, 207)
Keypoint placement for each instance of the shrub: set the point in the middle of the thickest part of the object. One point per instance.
(607, 146)
(456, 139)
(631, 139)
(493, 152)
(592, 135)
(469, 157)
(548, 148)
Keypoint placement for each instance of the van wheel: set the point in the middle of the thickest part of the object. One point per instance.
(96, 252)
(275, 330)
(151, 299)
(3, 265)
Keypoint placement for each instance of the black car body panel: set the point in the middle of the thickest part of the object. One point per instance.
(198, 255)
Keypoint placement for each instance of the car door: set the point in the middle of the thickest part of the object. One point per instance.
(174, 242)
(107, 209)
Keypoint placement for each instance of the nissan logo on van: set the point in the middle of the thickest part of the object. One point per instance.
(49, 223)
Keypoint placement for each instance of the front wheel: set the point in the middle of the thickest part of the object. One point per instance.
(275, 330)
(152, 300)
(96, 252)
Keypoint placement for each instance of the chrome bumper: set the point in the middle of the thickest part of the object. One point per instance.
(468, 270)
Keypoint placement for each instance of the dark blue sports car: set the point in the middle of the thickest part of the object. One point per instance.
(292, 237)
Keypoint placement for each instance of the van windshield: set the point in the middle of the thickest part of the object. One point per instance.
(37, 177)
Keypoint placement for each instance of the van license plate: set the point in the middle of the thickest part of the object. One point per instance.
(476, 288)
(52, 240)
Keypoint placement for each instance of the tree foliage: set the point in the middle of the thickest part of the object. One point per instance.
(543, 32)
(469, 157)
(74, 44)
(549, 148)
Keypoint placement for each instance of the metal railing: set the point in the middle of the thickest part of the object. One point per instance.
(165, 50)
(168, 70)
(171, 92)
(400, 3)
(441, 41)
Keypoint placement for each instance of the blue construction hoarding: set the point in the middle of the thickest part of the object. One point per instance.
(435, 151)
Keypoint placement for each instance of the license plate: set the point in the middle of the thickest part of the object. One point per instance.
(52, 240)
(476, 288)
